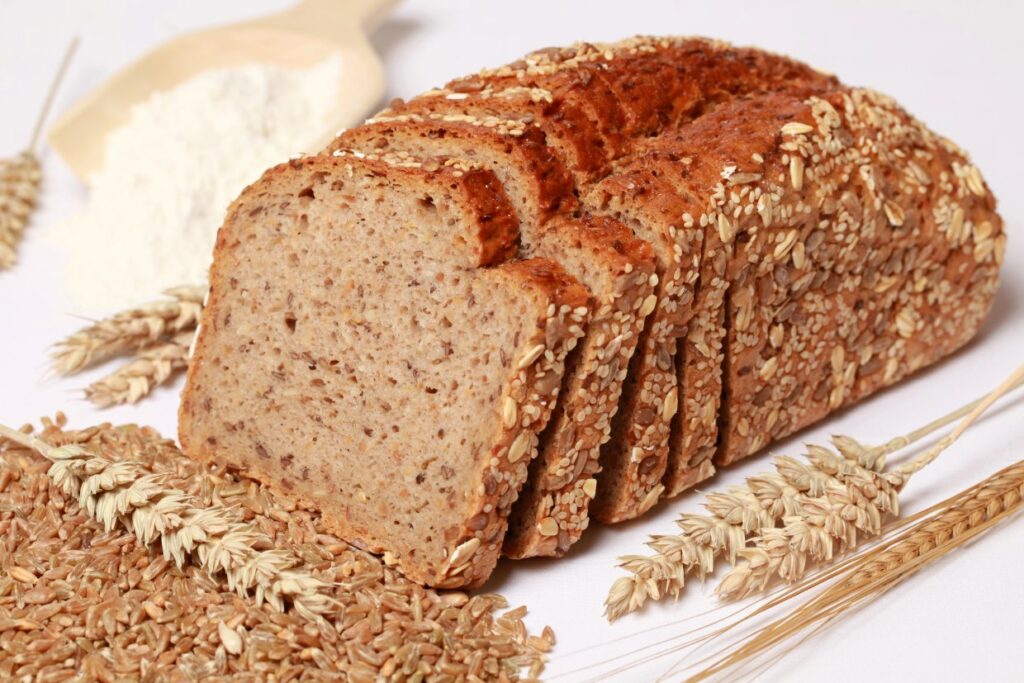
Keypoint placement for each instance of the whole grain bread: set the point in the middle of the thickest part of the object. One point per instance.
(773, 244)
(341, 293)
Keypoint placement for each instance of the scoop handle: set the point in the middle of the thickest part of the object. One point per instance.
(332, 19)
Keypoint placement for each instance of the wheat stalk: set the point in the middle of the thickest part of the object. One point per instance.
(864, 577)
(781, 523)
(131, 330)
(151, 367)
(21, 176)
(127, 493)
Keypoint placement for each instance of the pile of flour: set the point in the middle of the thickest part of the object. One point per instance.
(173, 169)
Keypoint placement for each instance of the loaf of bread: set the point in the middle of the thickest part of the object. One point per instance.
(740, 244)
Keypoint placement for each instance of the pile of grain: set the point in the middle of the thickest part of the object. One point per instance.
(75, 598)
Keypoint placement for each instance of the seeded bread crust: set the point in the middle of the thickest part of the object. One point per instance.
(581, 85)
(214, 427)
(845, 317)
(552, 510)
(634, 459)
(656, 82)
(566, 127)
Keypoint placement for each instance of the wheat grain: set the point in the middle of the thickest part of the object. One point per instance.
(124, 492)
(131, 330)
(809, 512)
(115, 605)
(152, 366)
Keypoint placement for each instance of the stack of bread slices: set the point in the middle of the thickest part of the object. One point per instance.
(571, 287)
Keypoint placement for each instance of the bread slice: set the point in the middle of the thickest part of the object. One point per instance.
(617, 268)
(634, 459)
(334, 363)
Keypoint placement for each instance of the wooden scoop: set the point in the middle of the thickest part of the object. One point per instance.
(307, 34)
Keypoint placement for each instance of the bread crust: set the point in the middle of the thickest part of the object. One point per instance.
(550, 186)
(564, 123)
(634, 459)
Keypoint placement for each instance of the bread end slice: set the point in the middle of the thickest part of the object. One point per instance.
(354, 354)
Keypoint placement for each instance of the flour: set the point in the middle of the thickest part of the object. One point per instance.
(174, 168)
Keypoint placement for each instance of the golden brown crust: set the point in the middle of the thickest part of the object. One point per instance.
(565, 125)
(583, 86)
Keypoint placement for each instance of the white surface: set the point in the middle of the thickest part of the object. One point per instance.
(956, 65)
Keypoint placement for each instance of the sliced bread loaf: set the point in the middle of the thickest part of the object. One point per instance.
(341, 294)
(773, 244)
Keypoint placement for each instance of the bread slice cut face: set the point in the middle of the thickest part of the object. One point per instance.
(368, 347)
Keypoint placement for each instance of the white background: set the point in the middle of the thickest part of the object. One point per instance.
(957, 65)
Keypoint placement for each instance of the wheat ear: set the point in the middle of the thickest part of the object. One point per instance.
(151, 367)
(780, 523)
(128, 493)
(867, 575)
(21, 176)
(828, 526)
(131, 330)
